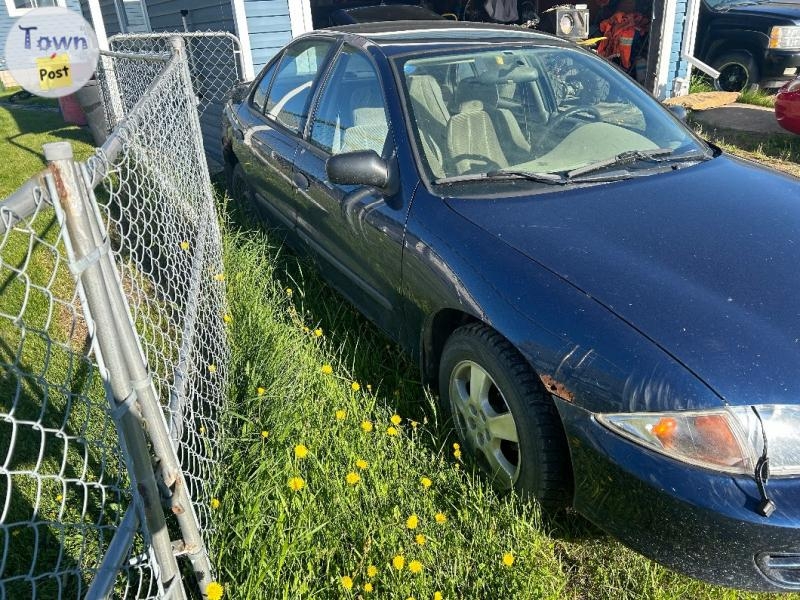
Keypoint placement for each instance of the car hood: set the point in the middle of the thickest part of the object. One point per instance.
(704, 261)
(786, 10)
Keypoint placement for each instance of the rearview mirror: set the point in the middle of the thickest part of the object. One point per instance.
(359, 168)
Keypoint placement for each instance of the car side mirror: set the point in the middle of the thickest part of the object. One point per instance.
(364, 167)
(239, 92)
(679, 111)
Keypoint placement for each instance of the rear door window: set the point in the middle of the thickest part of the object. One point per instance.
(290, 94)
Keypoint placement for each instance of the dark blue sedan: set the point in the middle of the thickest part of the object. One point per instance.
(609, 306)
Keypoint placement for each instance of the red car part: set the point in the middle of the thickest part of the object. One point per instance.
(787, 106)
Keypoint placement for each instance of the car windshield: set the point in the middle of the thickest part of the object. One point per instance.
(534, 111)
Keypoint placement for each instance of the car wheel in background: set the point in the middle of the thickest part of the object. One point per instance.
(738, 71)
(504, 416)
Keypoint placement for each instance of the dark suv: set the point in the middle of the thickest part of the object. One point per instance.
(750, 42)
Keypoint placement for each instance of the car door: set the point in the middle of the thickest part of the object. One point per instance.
(356, 231)
(272, 122)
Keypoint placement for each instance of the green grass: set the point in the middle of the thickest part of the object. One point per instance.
(272, 542)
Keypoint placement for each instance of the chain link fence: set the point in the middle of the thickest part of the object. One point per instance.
(214, 60)
(113, 354)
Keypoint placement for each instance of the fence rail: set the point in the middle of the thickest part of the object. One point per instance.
(113, 359)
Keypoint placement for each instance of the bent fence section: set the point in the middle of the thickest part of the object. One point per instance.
(113, 354)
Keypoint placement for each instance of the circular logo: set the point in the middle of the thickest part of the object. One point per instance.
(51, 51)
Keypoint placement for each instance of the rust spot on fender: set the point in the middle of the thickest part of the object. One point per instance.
(557, 388)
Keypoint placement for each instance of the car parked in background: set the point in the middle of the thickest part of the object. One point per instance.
(787, 106)
(750, 42)
(606, 303)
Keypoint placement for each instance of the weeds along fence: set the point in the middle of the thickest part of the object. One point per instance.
(113, 355)
(214, 60)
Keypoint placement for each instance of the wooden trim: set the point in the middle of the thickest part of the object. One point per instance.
(300, 16)
(243, 33)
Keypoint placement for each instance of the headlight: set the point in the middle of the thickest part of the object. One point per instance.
(728, 439)
(785, 37)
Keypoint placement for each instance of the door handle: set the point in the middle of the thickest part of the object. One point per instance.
(301, 181)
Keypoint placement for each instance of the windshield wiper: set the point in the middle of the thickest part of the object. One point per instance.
(623, 158)
(549, 178)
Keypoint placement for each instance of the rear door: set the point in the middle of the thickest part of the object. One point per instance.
(278, 110)
(356, 231)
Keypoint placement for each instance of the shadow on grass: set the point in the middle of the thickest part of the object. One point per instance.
(371, 357)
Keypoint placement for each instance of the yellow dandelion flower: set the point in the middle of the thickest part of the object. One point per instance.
(214, 590)
(59, 498)
(508, 559)
(368, 587)
(437, 595)
(184, 245)
(415, 567)
(261, 391)
(412, 521)
(456, 446)
(296, 484)
(289, 292)
(372, 570)
(369, 387)
(341, 415)
(212, 368)
(227, 318)
(391, 430)
(362, 464)
(440, 518)
(355, 386)
(398, 562)
(352, 478)
(306, 329)
(366, 426)
(215, 503)
(396, 420)
(202, 429)
(420, 539)
(219, 277)
(265, 434)
(396, 392)
(414, 424)
(300, 451)
(318, 332)
(326, 369)
(426, 483)
(347, 582)
(457, 453)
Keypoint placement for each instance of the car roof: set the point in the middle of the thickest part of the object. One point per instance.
(400, 37)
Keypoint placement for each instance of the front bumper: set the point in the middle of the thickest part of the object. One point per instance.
(778, 67)
(695, 521)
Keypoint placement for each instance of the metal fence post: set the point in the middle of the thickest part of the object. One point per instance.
(86, 264)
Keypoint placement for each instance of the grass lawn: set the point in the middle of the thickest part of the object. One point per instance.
(339, 480)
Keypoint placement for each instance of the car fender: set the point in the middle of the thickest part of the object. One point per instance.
(582, 352)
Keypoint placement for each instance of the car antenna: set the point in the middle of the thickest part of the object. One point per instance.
(767, 506)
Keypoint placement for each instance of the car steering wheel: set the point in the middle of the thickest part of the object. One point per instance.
(559, 119)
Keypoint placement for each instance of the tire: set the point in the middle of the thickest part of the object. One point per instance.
(511, 403)
(738, 72)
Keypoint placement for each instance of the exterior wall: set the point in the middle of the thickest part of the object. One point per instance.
(679, 68)
(203, 15)
(270, 27)
(109, 12)
(7, 21)
(135, 16)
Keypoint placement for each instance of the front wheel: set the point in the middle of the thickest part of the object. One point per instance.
(738, 71)
(504, 416)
